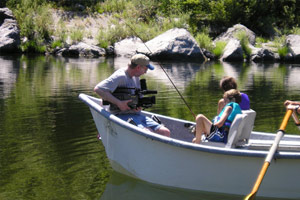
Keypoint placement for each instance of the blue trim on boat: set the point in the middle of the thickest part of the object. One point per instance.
(178, 143)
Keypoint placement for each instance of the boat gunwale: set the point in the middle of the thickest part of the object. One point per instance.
(88, 100)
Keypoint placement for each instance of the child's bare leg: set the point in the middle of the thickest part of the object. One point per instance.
(202, 127)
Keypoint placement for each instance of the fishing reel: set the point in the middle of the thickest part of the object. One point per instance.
(134, 94)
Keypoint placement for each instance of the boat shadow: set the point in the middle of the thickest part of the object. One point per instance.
(123, 187)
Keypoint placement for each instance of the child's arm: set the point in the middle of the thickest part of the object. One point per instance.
(224, 116)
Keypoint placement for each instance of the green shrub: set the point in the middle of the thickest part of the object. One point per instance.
(218, 50)
(123, 26)
(34, 19)
(35, 23)
(244, 41)
(61, 32)
(283, 51)
(33, 46)
(295, 30)
(57, 43)
(204, 41)
(259, 41)
(76, 35)
(111, 6)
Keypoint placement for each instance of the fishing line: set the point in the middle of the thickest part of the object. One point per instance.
(164, 72)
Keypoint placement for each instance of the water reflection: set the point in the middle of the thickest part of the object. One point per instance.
(8, 74)
(125, 188)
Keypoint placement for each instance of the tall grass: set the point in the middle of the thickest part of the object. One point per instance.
(244, 41)
(35, 23)
(136, 18)
(219, 48)
(259, 41)
(295, 30)
(204, 41)
(280, 45)
(77, 34)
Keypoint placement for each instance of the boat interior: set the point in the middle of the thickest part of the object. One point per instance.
(241, 134)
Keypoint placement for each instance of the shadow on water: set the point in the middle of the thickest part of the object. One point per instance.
(126, 188)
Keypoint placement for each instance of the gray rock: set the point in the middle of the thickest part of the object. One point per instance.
(293, 42)
(233, 51)
(127, 47)
(82, 50)
(231, 34)
(5, 13)
(9, 32)
(263, 55)
(175, 44)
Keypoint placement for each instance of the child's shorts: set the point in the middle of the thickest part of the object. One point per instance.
(217, 134)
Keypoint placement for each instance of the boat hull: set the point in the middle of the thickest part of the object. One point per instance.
(170, 162)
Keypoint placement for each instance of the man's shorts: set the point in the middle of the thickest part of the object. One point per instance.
(141, 121)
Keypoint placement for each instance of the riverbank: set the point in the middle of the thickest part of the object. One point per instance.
(81, 34)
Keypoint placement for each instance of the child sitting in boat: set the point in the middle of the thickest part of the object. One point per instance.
(217, 130)
(227, 83)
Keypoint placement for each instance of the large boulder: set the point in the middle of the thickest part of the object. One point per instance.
(127, 47)
(232, 32)
(5, 13)
(175, 44)
(9, 32)
(82, 50)
(233, 51)
(263, 55)
(293, 42)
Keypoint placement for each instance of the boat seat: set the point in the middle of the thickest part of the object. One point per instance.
(234, 134)
(240, 130)
(248, 127)
(236, 130)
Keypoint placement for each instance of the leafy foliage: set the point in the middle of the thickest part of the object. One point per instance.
(268, 18)
(219, 49)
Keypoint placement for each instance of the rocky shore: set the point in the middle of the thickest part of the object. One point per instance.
(174, 44)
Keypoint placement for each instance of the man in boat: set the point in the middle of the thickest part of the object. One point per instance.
(218, 129)
(129, 78)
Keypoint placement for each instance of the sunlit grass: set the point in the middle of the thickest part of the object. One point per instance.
(219, 49)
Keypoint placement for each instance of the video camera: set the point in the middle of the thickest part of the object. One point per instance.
(134, 94)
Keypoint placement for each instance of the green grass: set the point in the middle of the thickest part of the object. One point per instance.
(204, 41)
(219, 49)
(123, 25)
(244, 41)
(279, 44)
(259, 41)
(296, 31)
(77, 34)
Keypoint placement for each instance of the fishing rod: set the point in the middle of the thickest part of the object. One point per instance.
(181, 96)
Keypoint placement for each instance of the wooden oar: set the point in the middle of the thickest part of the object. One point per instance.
(270, 155)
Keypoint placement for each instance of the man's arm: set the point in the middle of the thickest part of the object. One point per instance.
(106, 95)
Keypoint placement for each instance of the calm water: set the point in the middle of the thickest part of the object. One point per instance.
(48, 144)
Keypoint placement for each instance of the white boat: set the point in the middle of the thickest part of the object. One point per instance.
(217, 167)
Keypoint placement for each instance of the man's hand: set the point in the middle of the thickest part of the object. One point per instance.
(123, 105)
(287, 102)
(292, 107)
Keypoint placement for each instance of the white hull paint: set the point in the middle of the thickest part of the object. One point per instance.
(182, 164)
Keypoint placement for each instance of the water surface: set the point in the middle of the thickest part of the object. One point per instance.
(48, 143)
